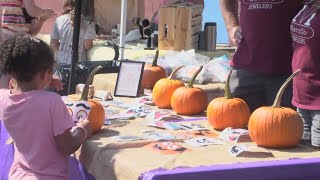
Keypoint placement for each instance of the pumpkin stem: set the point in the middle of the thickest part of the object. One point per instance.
(227, 92)
(277, 101)
(174, 72)
(85, 92)
(155, 60)
(191, 82)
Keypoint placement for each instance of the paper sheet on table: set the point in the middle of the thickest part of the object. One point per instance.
(235, 135)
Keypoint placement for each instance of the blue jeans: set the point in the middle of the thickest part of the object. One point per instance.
(259, 90)
(311, 121)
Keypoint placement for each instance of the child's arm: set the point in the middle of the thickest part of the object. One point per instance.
(90, 35)
(54, 44)
(54, 41)
(35, 11)
(88, 44)
(71, 140)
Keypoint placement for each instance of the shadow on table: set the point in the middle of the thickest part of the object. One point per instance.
(96, 156)
(298, 149)
(257, 154)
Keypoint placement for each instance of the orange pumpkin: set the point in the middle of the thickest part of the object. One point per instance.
(97, 113)
(276, 126)
(164, 88)
(227, 111)
(189, 100)
(152, 73)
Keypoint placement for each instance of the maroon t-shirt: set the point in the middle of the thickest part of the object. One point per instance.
(266, 46)
(305, 29)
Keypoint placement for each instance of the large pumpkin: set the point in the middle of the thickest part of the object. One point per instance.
(189, 100)
(276, 126)
(97, 114)
(152, 73)
(227, 111)
(164, 88)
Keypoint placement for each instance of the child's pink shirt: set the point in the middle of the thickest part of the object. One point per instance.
(33, 119)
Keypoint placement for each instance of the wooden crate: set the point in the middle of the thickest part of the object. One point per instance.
(179, 27)
(108, 13)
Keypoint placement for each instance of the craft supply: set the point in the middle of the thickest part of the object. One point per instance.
(159, 136)
(164, 125)
(77, 109)
(119, 104)
(187, 119)
(203, 141)
(127, 138)
(234, 135)
(166, 147)
(159, 114)
(249, 151)
(192, 127)
(147, 100)
(121, 117)
(103, 95)
(138, 110)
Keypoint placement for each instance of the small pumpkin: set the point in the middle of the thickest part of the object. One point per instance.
(152, 73)
(164, 88)
(227, 111)
(189, 100)
(97, 114)
(276, 126)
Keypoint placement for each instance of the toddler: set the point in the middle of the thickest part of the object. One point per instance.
(38, 121)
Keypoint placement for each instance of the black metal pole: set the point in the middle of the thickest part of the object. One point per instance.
(75, 44)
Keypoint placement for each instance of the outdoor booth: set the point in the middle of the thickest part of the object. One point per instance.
(137, 135)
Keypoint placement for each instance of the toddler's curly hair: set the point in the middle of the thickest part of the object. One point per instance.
(22, 56)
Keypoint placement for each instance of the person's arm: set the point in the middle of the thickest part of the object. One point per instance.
(67, 140)
(71, 140)
(34, 11)
(54, 43)
(229, 9)
(88, 44)
(90, 35)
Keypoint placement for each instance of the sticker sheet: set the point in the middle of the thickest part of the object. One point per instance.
(203, 141)
(234, 135)
(166, 147)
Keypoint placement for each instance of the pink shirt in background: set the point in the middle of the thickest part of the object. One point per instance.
(33, 119)
(305, 30)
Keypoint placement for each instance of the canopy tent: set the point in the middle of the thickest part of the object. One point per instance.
(76, 33)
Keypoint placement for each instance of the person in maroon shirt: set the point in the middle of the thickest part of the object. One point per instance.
(262, 61)
(305, 30)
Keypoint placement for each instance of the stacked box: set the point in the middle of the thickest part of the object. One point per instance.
(179, 27)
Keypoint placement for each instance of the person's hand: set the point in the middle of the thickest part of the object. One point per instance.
(85, 124)
(56, 83)
(235, 35)
(48, 13)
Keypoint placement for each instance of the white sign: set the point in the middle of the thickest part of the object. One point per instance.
(129, 78)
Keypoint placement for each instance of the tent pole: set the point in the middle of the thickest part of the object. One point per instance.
(75, 44)
(123, 25)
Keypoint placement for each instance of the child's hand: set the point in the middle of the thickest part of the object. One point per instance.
(56, 83)
(85, 124)
(48, 13)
